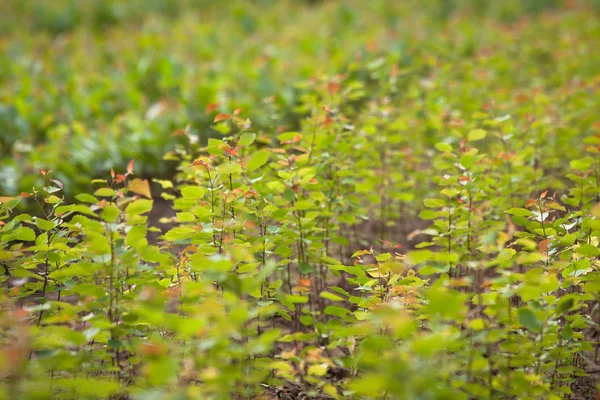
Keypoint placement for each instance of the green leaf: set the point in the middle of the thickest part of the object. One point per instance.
(258, 160)
(247, 139)
(588, 250)
(420, 256)
(192, 192)
(565, 303)
(304, 204)
(383, 257)
(229, 168)
(331, 296)
(247, 267)
(165, 184)
(44, 224)
(476, 134)
(296, 298)
(434, 203)
(529, 319)
(522, 212)
(317, 370)
(444, 147)
(25, 234)
(287, 136)
(104, 192)
(136, 236)
(468, 160)
(110, 213)
(180, 233)
(336, 311)
(86, 198)
(351, 269)
(305, 268)
(185, 217)
(582, 164)
(138, 207)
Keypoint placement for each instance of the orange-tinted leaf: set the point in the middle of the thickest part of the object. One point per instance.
(151, 349)
(333, 87)
(300, 289)
(112, 173)
(130, 167)
(250, 193)
(232, 151)
(141, 187)
(25, 194)
(371, 46)
(237, 111)
(200, 163)
(211, 107)
(529, 203)
(521, 98)
(304, 282)
(120, 178)
(221, 117)
(543, 246)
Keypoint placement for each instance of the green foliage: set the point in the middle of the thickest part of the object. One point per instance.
(409, 211)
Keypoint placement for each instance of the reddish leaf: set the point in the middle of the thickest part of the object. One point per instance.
(543, 246)
(543, 195)
(151, 349)
(333, 88)
(25, 194)
(305, 282)
(221, 117)
(211, 107)
(200, 163)
(130, 167)
(521, 98)
(237, 111)
(250, 193)
(232, 151)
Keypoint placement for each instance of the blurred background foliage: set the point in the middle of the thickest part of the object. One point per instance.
(87, 85)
